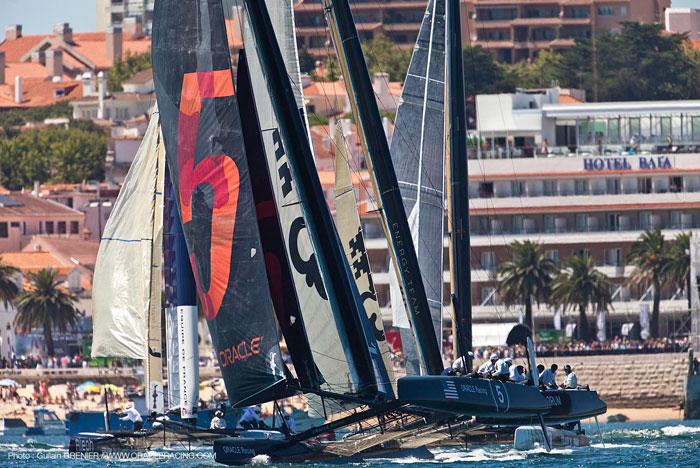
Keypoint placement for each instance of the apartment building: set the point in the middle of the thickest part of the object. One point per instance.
(122, 12)
(515, 30)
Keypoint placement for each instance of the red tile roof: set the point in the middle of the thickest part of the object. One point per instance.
(568, 99)
(38, 92)
(34, 261)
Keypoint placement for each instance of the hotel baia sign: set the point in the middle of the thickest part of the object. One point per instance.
(624, 163)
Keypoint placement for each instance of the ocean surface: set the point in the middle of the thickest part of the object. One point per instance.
(640, 444)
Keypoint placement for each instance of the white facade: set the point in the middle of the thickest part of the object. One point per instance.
(683, 20)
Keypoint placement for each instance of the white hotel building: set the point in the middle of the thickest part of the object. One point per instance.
(586, 196)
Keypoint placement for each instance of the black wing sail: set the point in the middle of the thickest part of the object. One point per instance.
(207, 161)
(284, 296)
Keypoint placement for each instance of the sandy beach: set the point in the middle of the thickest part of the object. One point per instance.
(645, 414)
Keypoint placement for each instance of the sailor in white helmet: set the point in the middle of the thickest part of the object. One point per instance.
(252, 418)
(132, 415)
(218, 422)
(502, 369)
(487, 367)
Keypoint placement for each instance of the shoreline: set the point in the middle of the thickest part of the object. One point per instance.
(645, 414)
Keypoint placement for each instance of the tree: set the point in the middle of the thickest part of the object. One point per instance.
(650, 261)
(539, 73)
(483, 75)
(580, 285)
(46, 305)
(676, 272)
(307, 62)
(383, 56)
(526, 277)
(125, 67)
(8, 288)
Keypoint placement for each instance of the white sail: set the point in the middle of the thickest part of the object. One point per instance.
(347, 221)
(328, 353)
(122, 285)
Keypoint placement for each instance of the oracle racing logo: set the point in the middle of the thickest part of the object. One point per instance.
(240, 352)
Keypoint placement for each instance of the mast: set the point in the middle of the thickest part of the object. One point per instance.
(384, 180)
(342, 291)
(458, 185)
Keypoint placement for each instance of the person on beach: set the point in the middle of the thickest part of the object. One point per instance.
(132, 415)
(570, 381)
(548, 378)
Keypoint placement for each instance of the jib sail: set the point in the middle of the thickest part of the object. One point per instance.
(207, 162)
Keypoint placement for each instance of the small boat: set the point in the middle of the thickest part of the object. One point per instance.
(46, 423)
(529, 437)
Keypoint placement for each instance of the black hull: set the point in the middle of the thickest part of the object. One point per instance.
(472, 396)
(242, 450)
(567, 406)
(137, 441)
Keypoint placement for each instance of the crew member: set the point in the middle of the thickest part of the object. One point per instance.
(548, 378)
(458, 366)
(218, 422)
(252, 418)
(570, 381)
(487, 368)
(516, 374)
(502, 369)
(289, 422)
(132, 415)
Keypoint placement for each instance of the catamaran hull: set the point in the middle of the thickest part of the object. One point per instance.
(472, 396)
(567, 406)
(242, 451)
(138, 441)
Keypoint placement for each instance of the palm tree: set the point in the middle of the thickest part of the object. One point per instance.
(579, 285)
(649, 259)
(8, 288)
(677, 268)
(46, 305)
(525, 277)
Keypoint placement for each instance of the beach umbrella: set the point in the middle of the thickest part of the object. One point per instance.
(110, 387)
(88, 386)
(9, 383)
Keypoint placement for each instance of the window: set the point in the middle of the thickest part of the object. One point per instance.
(583, 253)
(613, 222)
(606, 11)
(695, 123)
(623, 11)
(549, 188)
(644, 185)
(74, 227)
(549, 223)
(676, 219)
(581, 187)
(3, 231)
(665, 127)
(49, 227)
(14, 224)
(675, 184)
(613, 257)
(635, 127)
(488, 260)
(614, 186)
(483, 224)
(518, 224)
(486, 190)
(516, 189)
(579, 12)
(61, 227)
(581, 222)
(553, 255)
(488, 296)
(24, 228)
(645, 220)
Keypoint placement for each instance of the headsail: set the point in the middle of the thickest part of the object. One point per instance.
(350, 231)
(124, 282)
(331, 357)
(206, 157)
(417, 151)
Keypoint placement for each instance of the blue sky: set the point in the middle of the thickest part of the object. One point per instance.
(38, 16)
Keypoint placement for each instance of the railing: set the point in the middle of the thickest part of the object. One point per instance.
(575, 230)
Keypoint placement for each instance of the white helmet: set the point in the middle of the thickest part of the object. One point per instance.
(494, 357)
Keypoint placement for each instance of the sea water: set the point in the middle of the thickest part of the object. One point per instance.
(643, 444)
